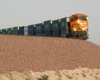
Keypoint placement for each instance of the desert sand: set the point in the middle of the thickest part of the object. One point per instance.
(77, 74)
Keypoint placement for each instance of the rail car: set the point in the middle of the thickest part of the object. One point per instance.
(75, 26)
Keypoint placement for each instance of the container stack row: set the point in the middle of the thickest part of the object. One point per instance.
(48, 28)
(54, 28)
(64, 23)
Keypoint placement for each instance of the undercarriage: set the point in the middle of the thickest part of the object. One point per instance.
(83, 35)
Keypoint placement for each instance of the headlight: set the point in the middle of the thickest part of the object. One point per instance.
(74, 29)
(83, 29)
(78, 21)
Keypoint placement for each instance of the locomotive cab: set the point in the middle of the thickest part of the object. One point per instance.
(79, 26)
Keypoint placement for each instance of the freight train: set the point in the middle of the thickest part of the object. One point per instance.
(75, 26)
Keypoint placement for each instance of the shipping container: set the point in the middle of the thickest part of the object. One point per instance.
(4, 31)
(47, 25)
(31, 30)
(64, 23)
(39, 34)
(39, 28)
(64, 33)
(56, 25)
(23, 30)
(16, 30)
(47, 33)
(56, 34)
(9, 30)
(0, 31)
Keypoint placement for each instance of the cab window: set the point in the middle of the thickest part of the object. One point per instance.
(74, 18)
(83, 18)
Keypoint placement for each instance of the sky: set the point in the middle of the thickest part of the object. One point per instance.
(26, 12)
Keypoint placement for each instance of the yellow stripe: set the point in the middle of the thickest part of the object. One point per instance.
(78, 30)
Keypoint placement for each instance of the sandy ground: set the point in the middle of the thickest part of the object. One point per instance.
(30, 57)
(77, 74)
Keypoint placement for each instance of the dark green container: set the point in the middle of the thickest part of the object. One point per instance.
(0, 31)
(10, 31)
(4, 31)
(16, 30)
(39, 34)
(38, 28)
(47, 25)
(64, 23)
(56, 25)
(64, 33)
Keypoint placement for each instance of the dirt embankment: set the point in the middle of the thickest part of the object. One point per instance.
(46, 53)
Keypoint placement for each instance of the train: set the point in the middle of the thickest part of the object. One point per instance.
(75, 26)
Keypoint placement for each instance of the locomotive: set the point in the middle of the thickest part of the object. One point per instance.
(79, 26)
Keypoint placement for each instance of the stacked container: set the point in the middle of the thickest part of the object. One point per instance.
(23, 30)
(31, 30)
(64, 27)
(48, 28)
(10, 31)
(39, 29)
(0, 31)
(4, 31)
(56, 28)
(16, 30)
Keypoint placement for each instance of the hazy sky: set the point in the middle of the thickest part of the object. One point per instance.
(25, 12)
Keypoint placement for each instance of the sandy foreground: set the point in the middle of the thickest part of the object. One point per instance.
(31, 57)
(77, 74)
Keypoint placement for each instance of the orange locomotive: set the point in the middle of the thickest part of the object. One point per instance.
(79, 26)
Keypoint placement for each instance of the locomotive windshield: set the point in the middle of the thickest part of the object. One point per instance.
(74, 18)
(83, 18)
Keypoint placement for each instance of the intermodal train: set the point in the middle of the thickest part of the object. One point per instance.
(75, 26)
